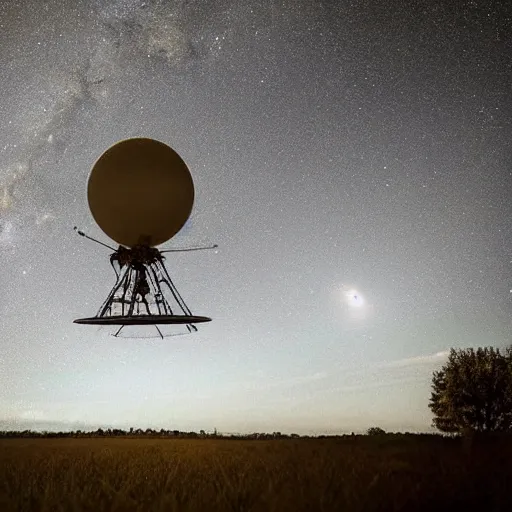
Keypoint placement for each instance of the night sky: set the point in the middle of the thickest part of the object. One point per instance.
(351, 159)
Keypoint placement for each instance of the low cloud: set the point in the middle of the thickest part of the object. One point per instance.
(414, 361)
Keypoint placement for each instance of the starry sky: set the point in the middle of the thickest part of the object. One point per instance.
(351, 159)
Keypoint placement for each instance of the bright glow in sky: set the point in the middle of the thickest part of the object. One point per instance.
(329, 142)
(354, 298)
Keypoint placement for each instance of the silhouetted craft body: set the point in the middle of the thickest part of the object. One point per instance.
(140, 191)
(141, 194)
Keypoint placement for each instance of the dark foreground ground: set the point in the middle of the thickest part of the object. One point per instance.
(346, 474)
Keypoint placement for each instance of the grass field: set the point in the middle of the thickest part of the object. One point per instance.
(343, 474)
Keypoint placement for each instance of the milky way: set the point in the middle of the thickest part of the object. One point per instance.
(51, 101)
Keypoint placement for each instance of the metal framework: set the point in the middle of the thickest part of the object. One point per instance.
(144, 293)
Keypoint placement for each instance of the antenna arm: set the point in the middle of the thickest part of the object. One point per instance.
(214, 246)
(81, 233)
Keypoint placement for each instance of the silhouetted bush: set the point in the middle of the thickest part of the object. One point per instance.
(375, 431)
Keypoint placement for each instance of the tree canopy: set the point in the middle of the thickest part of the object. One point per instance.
(473, 391)
(375, 431)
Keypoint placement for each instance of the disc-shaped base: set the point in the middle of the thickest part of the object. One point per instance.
(143, 320)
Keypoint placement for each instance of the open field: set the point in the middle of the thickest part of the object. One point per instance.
(348, 474)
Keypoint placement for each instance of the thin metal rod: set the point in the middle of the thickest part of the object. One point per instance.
(134, 290)
(108, 301)
(126, 286)
(118, 331)
(174, 290)
(168, 281)
(214, 246)
(158, 292)
(156, 283)
(81, 233)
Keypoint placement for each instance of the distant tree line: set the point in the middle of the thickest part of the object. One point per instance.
(177, 434)
(147, 433)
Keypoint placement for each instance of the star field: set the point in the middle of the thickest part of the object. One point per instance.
(334, 146)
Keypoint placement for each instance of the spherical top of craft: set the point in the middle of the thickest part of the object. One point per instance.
(140, 191)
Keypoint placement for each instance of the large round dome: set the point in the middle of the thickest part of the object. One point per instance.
(140, 191)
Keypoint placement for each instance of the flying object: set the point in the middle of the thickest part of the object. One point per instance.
(140, 193)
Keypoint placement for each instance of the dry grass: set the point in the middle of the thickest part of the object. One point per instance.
(349, 474)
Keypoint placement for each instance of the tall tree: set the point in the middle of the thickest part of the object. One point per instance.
(473, 391)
